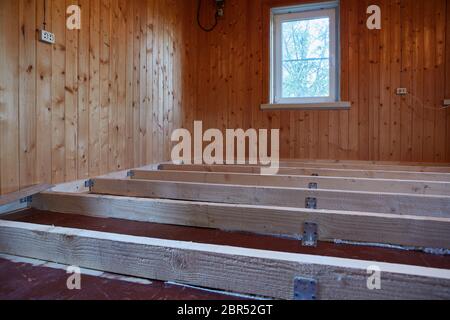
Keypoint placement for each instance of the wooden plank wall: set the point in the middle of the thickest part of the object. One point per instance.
(101, 99)
(409, 51)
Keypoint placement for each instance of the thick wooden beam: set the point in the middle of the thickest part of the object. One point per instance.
(24, 193)
(420, 205)
(249, 271)
(365, 162)
(364, 166)
(333, 183)
(372, 174)
(420, 232)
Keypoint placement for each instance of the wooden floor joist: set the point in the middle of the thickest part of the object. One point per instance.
(305, 171)
(369, 163)
(406, 204)
(421, 232)
(249, 271)
(333, 183)
(365, 166)
(24, 193)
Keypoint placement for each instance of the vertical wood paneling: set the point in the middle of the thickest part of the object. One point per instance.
(27, 92)
(358, 55)
(439, 92)
(71, 102)
(122, 105)
(108, 97)
(396, 71)
(94, 89)
(416, 93)
(58, 92)
(83, 92)
(429, 80)
(105, 44)
(385, 89)
(9, 96)
(407, 80)
(407, 52)
(129, 146)
(136, 81)
(74, 109)
(150, 104)
(44, 96)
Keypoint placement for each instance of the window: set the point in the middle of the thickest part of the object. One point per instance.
(305, 54)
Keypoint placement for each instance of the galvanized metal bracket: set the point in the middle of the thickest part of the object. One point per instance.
(130, 174)
(305, 289)
(28, 199)
(313, 185)
(89, 184)
(311, 203)
(310, 234)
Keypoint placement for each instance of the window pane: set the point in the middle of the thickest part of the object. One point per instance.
(305, 58)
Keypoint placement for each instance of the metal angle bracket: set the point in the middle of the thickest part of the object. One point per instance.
(28, 199)
(89, 184)
(305, 289)
(311, 203)
(130, 174)
(310, 234)
(313, 185)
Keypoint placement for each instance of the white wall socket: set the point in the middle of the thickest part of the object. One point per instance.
(47, 37)
(402, 91)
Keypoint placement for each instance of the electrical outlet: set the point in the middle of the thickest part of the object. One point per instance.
(47, 37)
(402, 91)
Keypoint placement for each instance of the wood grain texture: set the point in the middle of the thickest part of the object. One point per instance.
(32, 190)
(92, 104)
(318, 171)
(392, 203)
(334, 183)
(69, 111)
(287, 222)
(262, 273)
(233, 61)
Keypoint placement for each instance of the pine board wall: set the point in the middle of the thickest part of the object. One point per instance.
(412, 50)
(108, 97)
(100, 100)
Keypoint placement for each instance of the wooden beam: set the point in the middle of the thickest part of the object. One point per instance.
(334, 183)
(22, 194)
(249, 271)
(372, 174)
(420, 205)
(420, 232)
(364, 166)
(389, 163)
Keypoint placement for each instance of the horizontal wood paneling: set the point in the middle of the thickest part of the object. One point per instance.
(409, 51)
(101, 99)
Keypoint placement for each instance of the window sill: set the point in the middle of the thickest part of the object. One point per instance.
(341, 105)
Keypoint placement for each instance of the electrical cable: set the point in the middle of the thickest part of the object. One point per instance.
(216, 19)
(45, 14)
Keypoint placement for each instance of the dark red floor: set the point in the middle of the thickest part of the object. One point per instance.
(27, 282)
(21, 281)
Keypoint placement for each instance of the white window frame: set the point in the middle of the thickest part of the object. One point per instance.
(304, 12)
